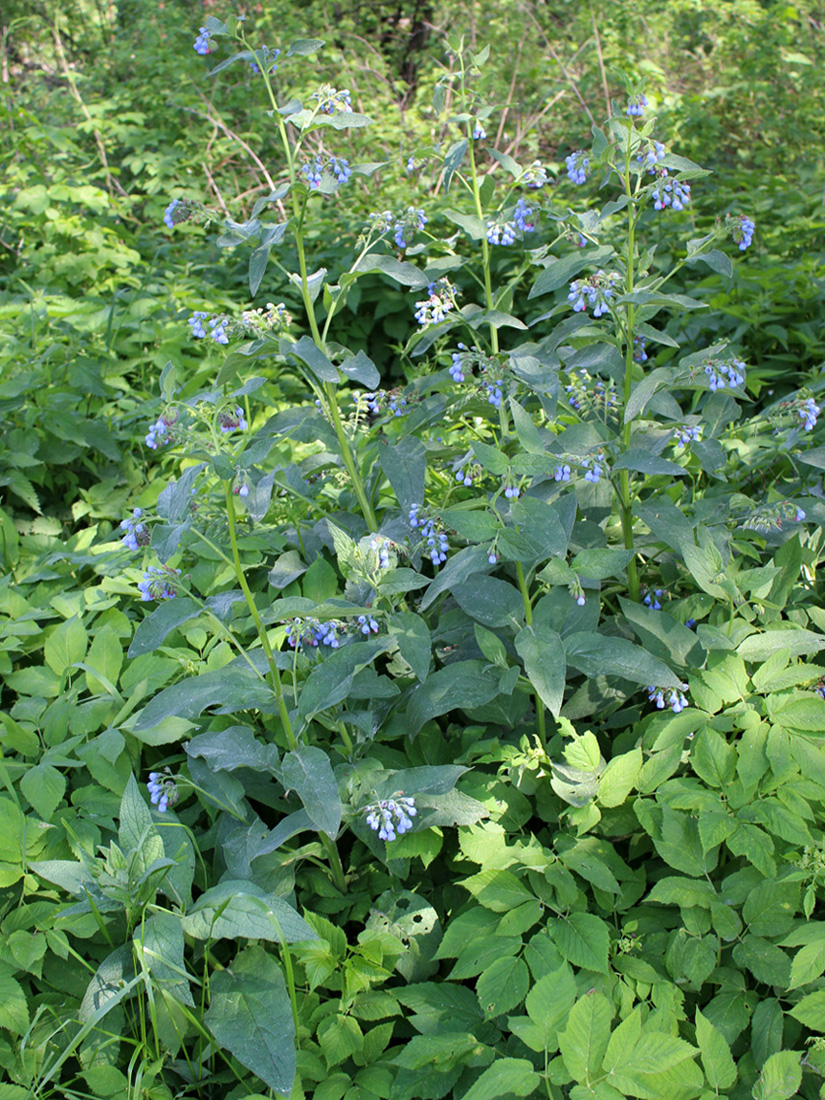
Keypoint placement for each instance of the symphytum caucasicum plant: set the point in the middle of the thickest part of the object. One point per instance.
(530, 619)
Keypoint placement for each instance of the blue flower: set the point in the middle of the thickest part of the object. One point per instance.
(312, 172)
(137, 534)
(595, 291)
(268, 57)
(367, 624)
(479, 133)
(159, 432)
(158, 583)
(651, 599)
(534, 177)
(688, 434)
(670, 192)
(808, 414)
(410, 222)
(639, 353)
(653, 153)
(163, 791)
(232, 421)
(391, 816)
(333, 100)
(577, 166)
(340, 168)
(741, 229)
(381, 547)
(670, 697)
(800, 515)
(495, 394)
(501, 232)
(636, 106)
(202, 41)
(218, 326)
(169, 213)
(562, 473)
(441, 300)
(722, 372)
(196, 323)
(523, 217)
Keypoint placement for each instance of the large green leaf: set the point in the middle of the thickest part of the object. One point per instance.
(234, 687)
(596, 655)
(465, 684)
(250, 1015)
(584, 1041)
(236, 908)
(542, 651)
(166, 617)
(309, 773)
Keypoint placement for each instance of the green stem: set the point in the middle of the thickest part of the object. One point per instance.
(541, 729)
(338, 876)
(349, 458)
(275, 676)
(290, 983)
(485, 246)
(625, 496)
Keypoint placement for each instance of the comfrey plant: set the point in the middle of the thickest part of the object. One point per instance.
(537, 526)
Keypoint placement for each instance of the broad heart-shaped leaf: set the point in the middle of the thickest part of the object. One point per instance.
(462, 684)
(505, 1078)
(404, 465)
(584, 1041)
(542, 651)
(595, 654)
(309, 773)
(250, 1015)
(238, 907)
(166, 617)
(159, 944)
(234, 687)
(562, 271)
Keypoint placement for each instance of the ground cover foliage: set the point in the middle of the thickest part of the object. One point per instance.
(412, 514)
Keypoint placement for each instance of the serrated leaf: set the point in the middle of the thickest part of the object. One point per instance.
(780, 1078)
(582, 939)
(502, 986)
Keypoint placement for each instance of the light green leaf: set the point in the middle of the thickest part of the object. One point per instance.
(505, 1078)
(780, 1078)
(502, 986)
(582, 939)
(65, 646)
(584, 1041)
(43, 786)
(719, 1066)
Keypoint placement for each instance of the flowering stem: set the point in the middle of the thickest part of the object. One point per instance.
(541, 730)
(348, 457)
(275, 676)
(338, 876)
(485, 245)
(625, 499)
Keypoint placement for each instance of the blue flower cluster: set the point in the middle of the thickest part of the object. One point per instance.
(437, 543)
(314, 169)
(595, 467)
(232, 420)
(160, 432)
(562, 473)
(394, 400)
(688, 433)
(670, 697)
(313, 632)
(651, 155)
(158, 583)
(511, 489)
(333, 100)
(577, 166)
(458, 365)
(501, 232)
(724, 372)
(202, 42)
(808, 414)
(524, 216)
(741, 229)
(391, 816)
(651, 599)
(216, 326)
(137, 533)
(773, 515)
(479, 133)
(586, 391)
(440, 302)
(407, 224)
(367, 625)
(670, 192)
(177, 212)
(163, 791)
(534, 177)
(639, 353)
(494, 391)
(381, 547)
(595, 291)
(636, 105)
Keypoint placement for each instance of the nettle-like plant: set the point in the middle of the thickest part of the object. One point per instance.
(547, 591)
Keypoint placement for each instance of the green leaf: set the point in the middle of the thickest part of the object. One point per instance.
(759, 647)
(463, 684)
(250, 1015)
(155, 628)
(236, 908)
(136, 827)
(44, 787)
(302, 47)
(582, 939)
(718, 1064)
(596, 655)
(619, 778)
(769, 908)
(231, 748)
(559, 272)
(780, 1078)
(406, 274)
(452, 161)
(602, 562)
(811, 1011)
(412, 634)
(498, 890)
(473, 226)
(361, 369)
(492, 602)
(330, 681)
(404, 465)
(65, 646)
(502, 986)
(308, 352)
(14, 1011)
(159, 943)
(808, 964)
(309, 773)
(505, 1078)
(803, 715)
(234, 687)
(542, 651)
(583, 1042)
(548, 1005)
